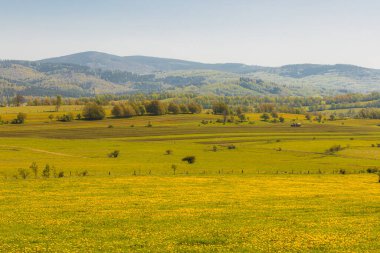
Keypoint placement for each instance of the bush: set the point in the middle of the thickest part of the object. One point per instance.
(24, 173)
(242, 117)
(169, 152)
(93, 111)
(231, 146)
(83, 173)
(114, 154)
(189, 159)
(46, 171)
(20, 119)
(34, 168)
(342, 171)
(61, 174)
(334, 149)
(66, 117)
(265, 117)
(274, 115)
(372, 170)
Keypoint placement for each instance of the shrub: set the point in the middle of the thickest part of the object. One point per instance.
(174, 168)
(372, 170)
(231, 146)
(169, 152)
(342, 171)
(334, 149)
(242, 117)
(61, 174)
(20, 119)
(46, 171)
(265, 117)
(66, 117)
(93, 111)
(24, 173)
(189, 159)
(83, 173)
(114, 154)
(34, 168)
(274, 115)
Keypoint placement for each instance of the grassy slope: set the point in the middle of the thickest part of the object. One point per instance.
(198, 208)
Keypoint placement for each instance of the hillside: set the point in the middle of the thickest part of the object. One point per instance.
(90, 73)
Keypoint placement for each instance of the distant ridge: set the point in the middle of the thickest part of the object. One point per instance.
(91, 73)
(147, 64)
(143, 64)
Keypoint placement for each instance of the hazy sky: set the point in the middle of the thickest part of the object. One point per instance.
(260, 32)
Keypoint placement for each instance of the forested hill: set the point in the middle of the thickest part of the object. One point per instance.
(91, 73)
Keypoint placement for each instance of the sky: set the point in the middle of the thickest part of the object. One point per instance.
(255, 32)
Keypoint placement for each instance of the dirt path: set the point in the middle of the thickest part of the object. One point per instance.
(42, 151)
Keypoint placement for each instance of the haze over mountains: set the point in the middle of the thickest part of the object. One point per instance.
(91, 73)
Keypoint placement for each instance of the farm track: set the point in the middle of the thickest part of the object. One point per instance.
(16, 148)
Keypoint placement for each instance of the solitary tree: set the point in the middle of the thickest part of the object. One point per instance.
(58, 103)
(93, 111)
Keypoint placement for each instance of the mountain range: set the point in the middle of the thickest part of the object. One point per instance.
(91, 73)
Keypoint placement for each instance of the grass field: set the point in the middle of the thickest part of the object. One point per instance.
(277, 191)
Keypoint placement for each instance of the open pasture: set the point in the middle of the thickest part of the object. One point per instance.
(276, 190)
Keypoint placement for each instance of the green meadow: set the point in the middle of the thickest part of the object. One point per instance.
(254, 186)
